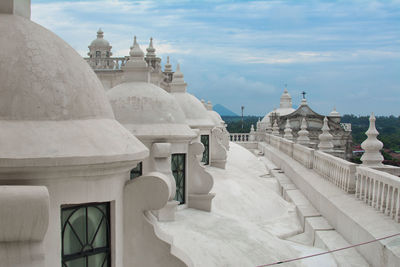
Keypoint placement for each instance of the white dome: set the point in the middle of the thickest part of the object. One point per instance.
(195, 112)
(100, 42)
(285, 107)
(53, 109)
(148, 111)
(280, 112)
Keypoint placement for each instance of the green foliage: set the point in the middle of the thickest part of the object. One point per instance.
(387, 126)
(235, 123)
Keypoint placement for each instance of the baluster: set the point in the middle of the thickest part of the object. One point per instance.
(383, 197)
(396, 218)
(373, 204)
(387, 200)
(392, 205)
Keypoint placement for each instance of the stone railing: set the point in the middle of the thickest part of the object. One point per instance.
(112, 63)
(304, 155)
(286, 146)
(336, 170)
(239, 137)
(274, 141)
(379, 190)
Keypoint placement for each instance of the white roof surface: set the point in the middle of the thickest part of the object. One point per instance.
(248, 216)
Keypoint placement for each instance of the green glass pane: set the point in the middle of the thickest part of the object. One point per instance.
(81, 262)
(205, 140)
(97, 227)
(98, 260)
(75, 230)
(178, 170)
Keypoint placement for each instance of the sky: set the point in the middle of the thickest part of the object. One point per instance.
(343, 54)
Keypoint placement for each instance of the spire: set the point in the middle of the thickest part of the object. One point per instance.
(178, 83)
(303, 138)
(372, 156)
(286, 100)
(288, 131)
(100, 34)
(168, 66)
(151, 50)
(136, 68)
(136, 51)
(275, 128)
(209, 106)
(16, 7)
(325, 139)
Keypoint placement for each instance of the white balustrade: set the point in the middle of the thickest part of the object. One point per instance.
(336, 170)
(112, 63)
(239, 137)
(274, 141)
(379, 190)
(304, 155)
(286, 146)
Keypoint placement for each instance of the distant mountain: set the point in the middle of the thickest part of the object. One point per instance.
(223, 111)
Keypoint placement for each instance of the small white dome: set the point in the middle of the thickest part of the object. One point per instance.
(195, 112)
(100, 42)
(148, 111)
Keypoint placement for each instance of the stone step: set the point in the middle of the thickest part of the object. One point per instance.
(331, 240)
(316, 224)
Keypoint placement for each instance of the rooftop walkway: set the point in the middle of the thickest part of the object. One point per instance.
(250, 224)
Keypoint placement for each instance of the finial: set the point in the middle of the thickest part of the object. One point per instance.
(151, 50)
(275, 128)
(325, 139)
(177, 78)
(100, 34)
(303, 138)
(372, 156)
(304, 94)
(136, 52)
(285, 91)
(168, 67)
(288, 131)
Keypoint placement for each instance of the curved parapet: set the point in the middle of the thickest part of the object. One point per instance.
(219, 147)
(143, 245)
(24, 219)
(200, 181)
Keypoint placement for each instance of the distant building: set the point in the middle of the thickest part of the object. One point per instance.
(341, 132)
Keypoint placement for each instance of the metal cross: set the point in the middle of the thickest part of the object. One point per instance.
(304, 94)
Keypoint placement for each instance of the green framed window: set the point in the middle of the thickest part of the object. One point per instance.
(205, 140)
(85, 233)
(137, 171)
(178, 167)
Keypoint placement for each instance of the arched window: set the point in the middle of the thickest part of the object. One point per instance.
(98, 54)
(85, 232)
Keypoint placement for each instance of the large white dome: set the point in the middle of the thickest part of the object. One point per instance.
(148, 111)
(53, 109)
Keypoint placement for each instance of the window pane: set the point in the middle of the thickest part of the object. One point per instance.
(98, 260)
(178, 170)
(86, 229)
(81, 262)
(205, 140)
